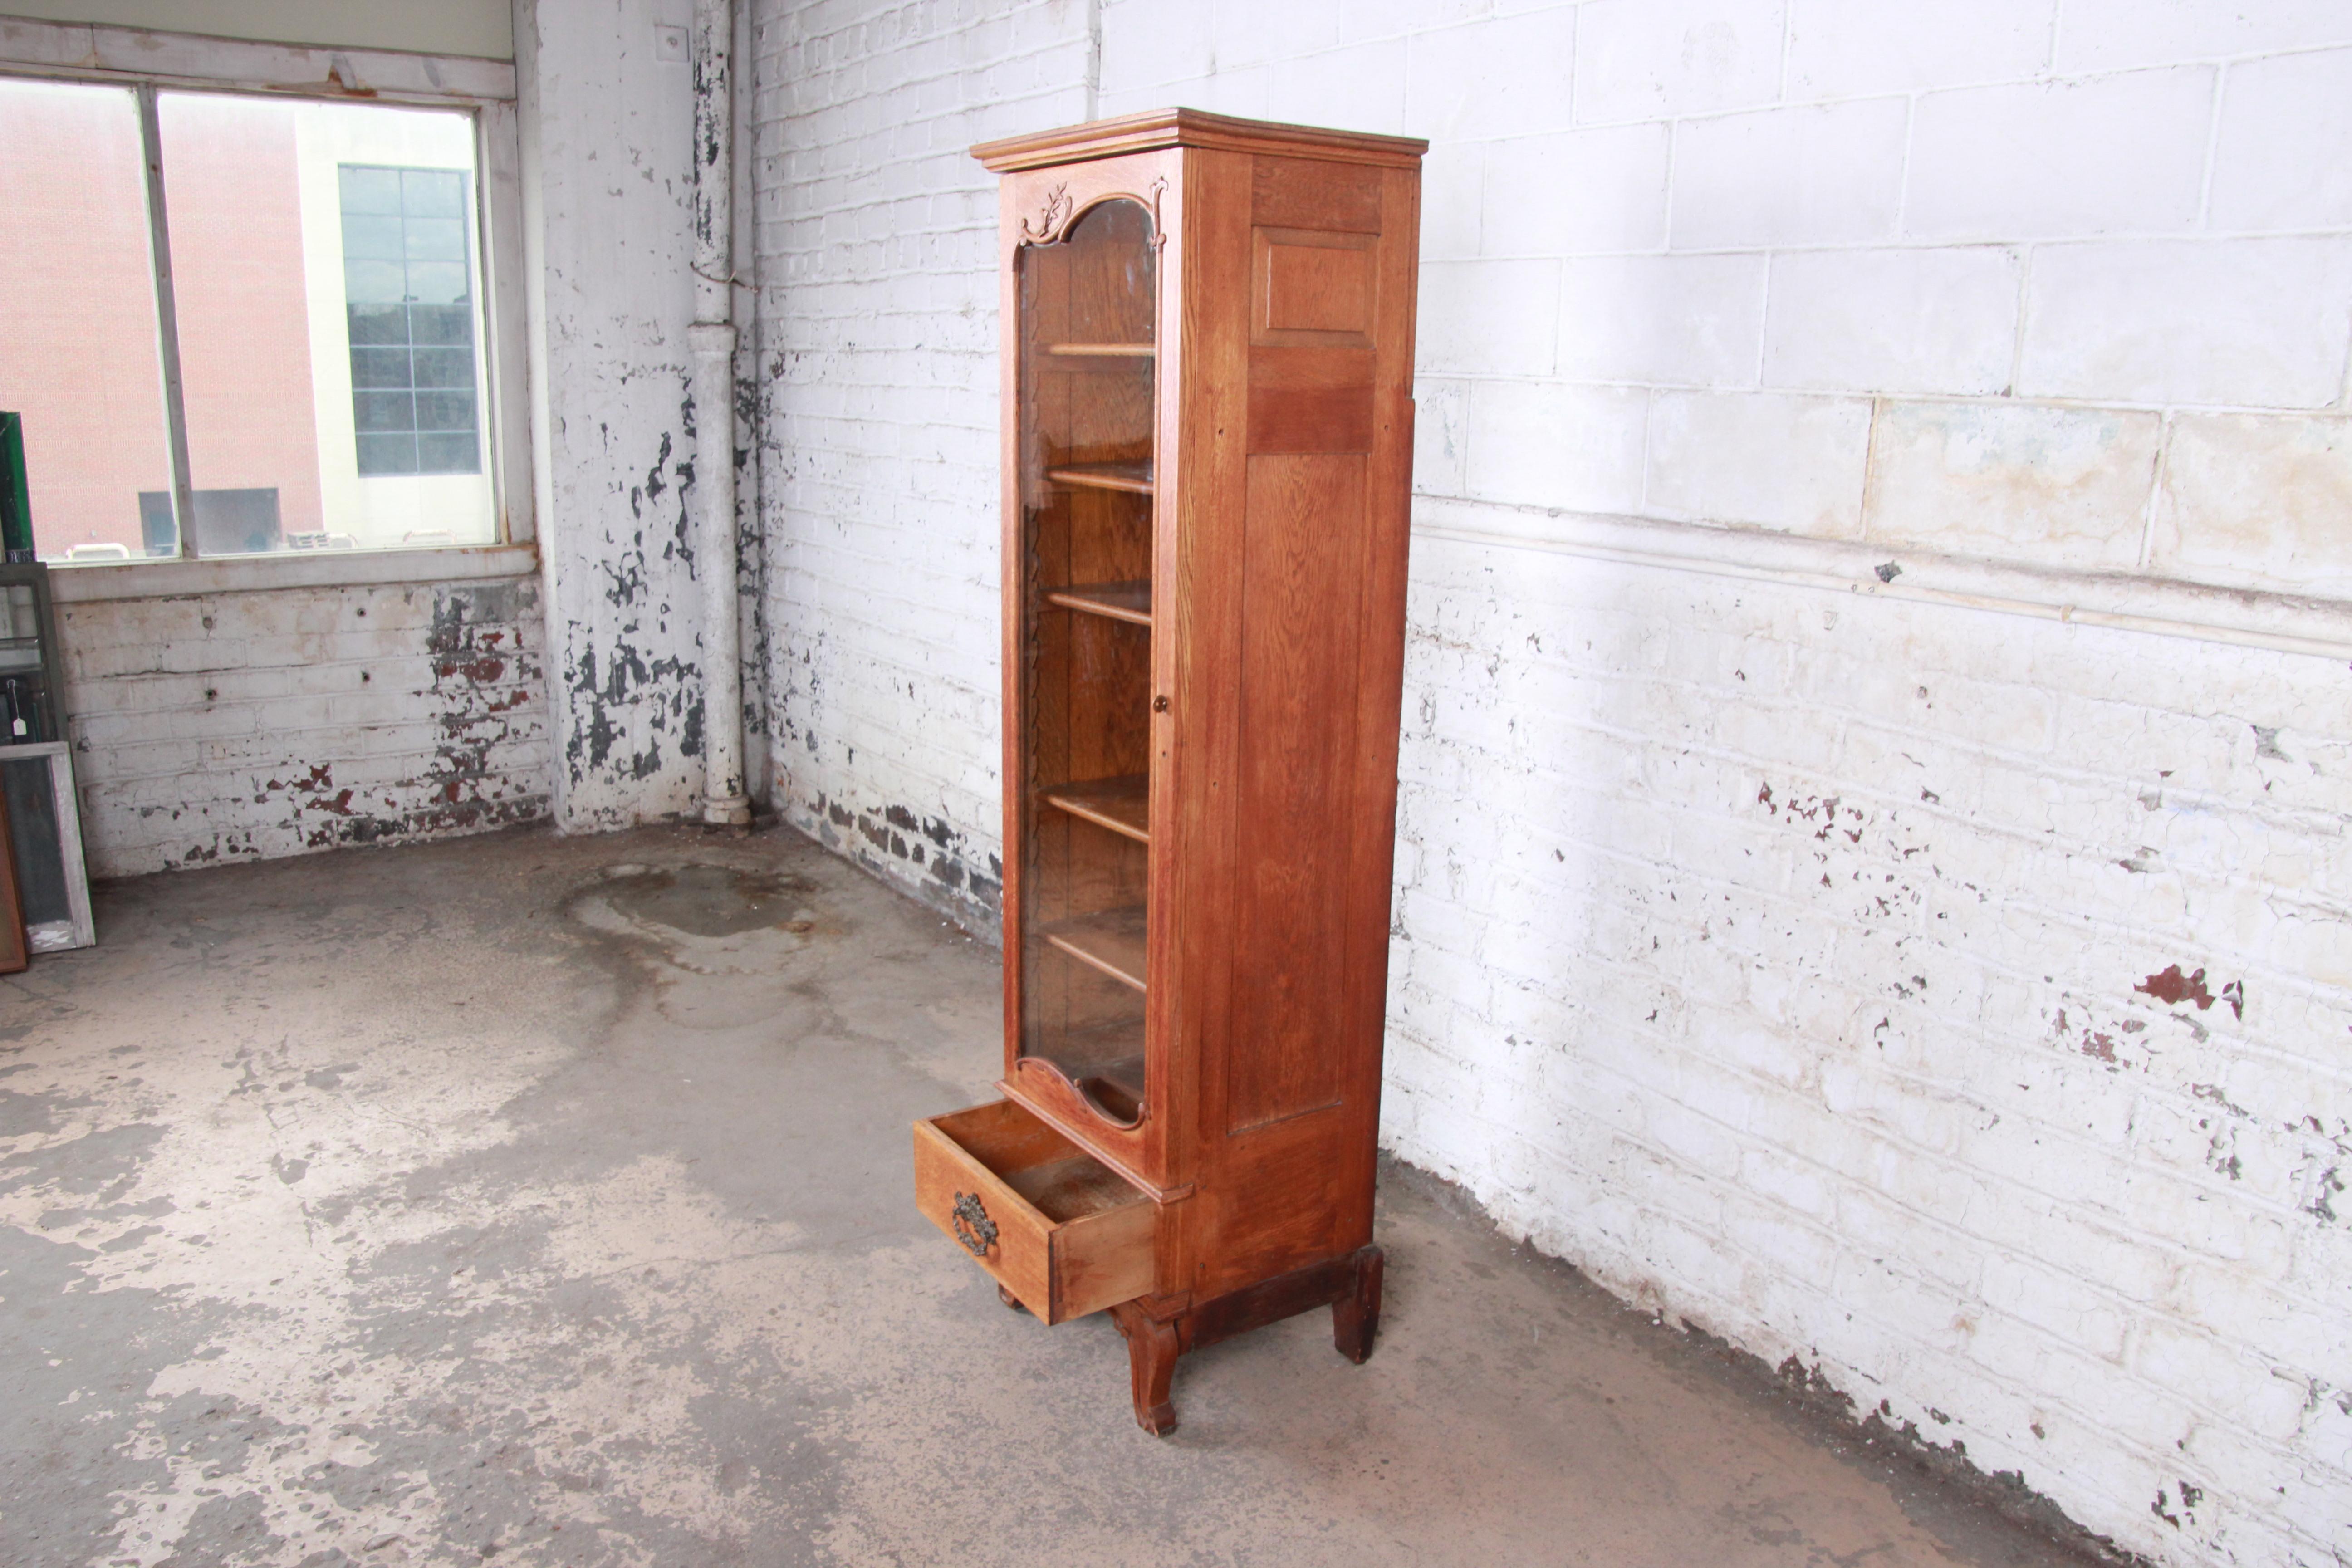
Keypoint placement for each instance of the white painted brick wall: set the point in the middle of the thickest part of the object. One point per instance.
(1869, 1084)
(1757, 197)
(1788, 957)
(249, 725)
(877, 251)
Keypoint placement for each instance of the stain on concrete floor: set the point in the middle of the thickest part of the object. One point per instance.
(546, 1201)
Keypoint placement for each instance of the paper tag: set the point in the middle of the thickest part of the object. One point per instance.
(18, 726)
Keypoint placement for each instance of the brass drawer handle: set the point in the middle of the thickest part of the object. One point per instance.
(972, 1226)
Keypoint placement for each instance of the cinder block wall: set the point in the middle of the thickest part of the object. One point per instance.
(245, 725)
(1808, 921)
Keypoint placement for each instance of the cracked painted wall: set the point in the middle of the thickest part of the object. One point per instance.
(234, 726)
(1951, 1006)
(609, 98)
(178, 702)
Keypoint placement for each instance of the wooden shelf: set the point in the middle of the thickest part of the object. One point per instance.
(1135, 479)
(1111, 942)
(1102, 351)
(1119, 804)
(1129, 601)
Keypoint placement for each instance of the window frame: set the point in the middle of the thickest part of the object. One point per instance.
(151, 62)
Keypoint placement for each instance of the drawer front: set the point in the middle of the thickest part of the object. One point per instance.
(1059, 1270)
(988, 1219)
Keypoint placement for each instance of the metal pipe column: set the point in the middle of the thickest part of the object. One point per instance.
(711, 341)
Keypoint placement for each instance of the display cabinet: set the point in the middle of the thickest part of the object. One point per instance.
(1207, 344)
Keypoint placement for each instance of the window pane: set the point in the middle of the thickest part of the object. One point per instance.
(442, 367)
(307, 241)
(374, 282)
(445, 411)
(424, 193)
(373, 238)
(440, 324)
(378, 323)
(385, 410)
(387, 454)
(80, 347)
(383, 367)
(369, 190)
(436, 282)
(437, 239)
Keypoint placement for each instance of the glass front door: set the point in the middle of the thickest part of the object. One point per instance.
(1086, 371)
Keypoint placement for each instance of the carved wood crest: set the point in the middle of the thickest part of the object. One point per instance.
(1047, 227)
(1052, 223)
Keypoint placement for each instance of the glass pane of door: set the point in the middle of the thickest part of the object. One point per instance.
(1086, 482)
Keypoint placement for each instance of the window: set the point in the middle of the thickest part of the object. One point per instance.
(273, 341)
(408, 292)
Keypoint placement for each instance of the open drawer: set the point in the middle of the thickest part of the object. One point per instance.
(1059, 1230)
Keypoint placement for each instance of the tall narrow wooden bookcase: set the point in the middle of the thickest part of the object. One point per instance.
(1208, 446)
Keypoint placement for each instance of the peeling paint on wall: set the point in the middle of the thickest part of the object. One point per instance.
(923, 854)
(240, 726)
(616, 187)
(1818, 981)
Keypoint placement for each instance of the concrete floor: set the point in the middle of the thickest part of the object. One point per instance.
(548, 1200)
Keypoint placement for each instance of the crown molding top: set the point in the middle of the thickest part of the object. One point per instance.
(1192, 127)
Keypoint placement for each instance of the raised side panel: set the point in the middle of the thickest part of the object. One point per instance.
(1315, 305)
(1294, 408)
(1309, 289)
(1287, 1204)
(1302, 555)
(1292, 1078)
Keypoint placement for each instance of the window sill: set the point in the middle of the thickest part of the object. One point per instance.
(260, 574)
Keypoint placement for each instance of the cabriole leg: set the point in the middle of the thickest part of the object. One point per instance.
(1151, 1350)
(1356, 1316)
